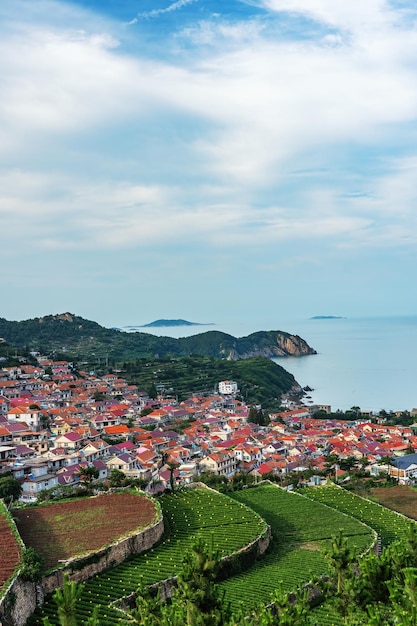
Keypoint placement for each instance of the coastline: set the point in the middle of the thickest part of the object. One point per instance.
(366, 362)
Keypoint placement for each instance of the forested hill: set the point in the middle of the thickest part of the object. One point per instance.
(73, 335)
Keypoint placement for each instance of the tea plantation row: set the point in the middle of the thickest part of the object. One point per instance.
(302, 525)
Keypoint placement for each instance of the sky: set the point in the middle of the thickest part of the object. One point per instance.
(210, 160)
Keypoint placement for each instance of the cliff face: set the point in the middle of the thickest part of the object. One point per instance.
(292, 345)
(269, 344)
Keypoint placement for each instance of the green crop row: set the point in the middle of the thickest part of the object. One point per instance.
(301, 529)
(222, 522)
(389, 525)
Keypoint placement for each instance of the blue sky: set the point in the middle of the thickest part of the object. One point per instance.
(251, 160)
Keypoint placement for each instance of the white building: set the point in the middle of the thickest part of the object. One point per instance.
(228, 387)
(38, 480)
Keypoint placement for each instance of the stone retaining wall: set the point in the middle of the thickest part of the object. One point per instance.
(228, 563)
(83, 568)
(23, 597)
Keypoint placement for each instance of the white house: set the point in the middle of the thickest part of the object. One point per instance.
(26, 415)
(38, 480)
(219, 463)
(228, 387)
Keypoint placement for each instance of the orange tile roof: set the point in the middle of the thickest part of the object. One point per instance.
(116, 430)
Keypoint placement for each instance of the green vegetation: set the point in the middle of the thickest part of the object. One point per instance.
(301, 531)
(222, 523)
(10, 356)
(182, 367)
(371, 591)
(359, 590)
(72, 335)
(66, 600)
(391, 418)
(260, 380)
(10, 488)
(389, 525)
(32, 565)
(178, 322)
(196, 601)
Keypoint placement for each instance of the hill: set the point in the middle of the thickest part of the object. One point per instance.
(167, 323)
(327, 317)
(73, 335)
(260, 380)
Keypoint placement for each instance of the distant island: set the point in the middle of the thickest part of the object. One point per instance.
(327, 317)
(166, 323)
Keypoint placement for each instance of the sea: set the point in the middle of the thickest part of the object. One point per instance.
(369, 363)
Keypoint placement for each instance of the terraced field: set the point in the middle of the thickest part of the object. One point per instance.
(301, 529)
(389, 525)
(10, 552)
(220, 521)
(62, 530)
(302, 526)
(400, 498)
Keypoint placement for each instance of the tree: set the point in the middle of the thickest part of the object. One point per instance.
(10, 489)
(99, 396)
(152, 392)
(347, 464)
(32, 565)
(66, 600)
(258, 416)
(404, 597)
(172, 466)
(339, 557)
(196, 600)
(212, 480)
(117, 478)
(354, 411)
(196, 585)
(291, 612)
(88, 474)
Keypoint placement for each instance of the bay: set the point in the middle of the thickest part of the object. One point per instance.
(365, 362)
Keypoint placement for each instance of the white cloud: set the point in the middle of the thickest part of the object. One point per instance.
(219, 32)
(352, 15)
(179, 4)
(259, 108)
(59, 81)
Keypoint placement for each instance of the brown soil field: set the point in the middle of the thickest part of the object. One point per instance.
(64, 530)
(400, 498)
(9, 550)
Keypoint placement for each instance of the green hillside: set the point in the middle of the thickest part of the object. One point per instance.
(73, 335)
(260, 380)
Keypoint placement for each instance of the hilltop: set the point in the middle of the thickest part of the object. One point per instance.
(70, 334)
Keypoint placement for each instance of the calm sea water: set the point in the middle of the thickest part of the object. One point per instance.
(368, 362)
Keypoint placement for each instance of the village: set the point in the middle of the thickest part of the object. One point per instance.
(56, 422)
